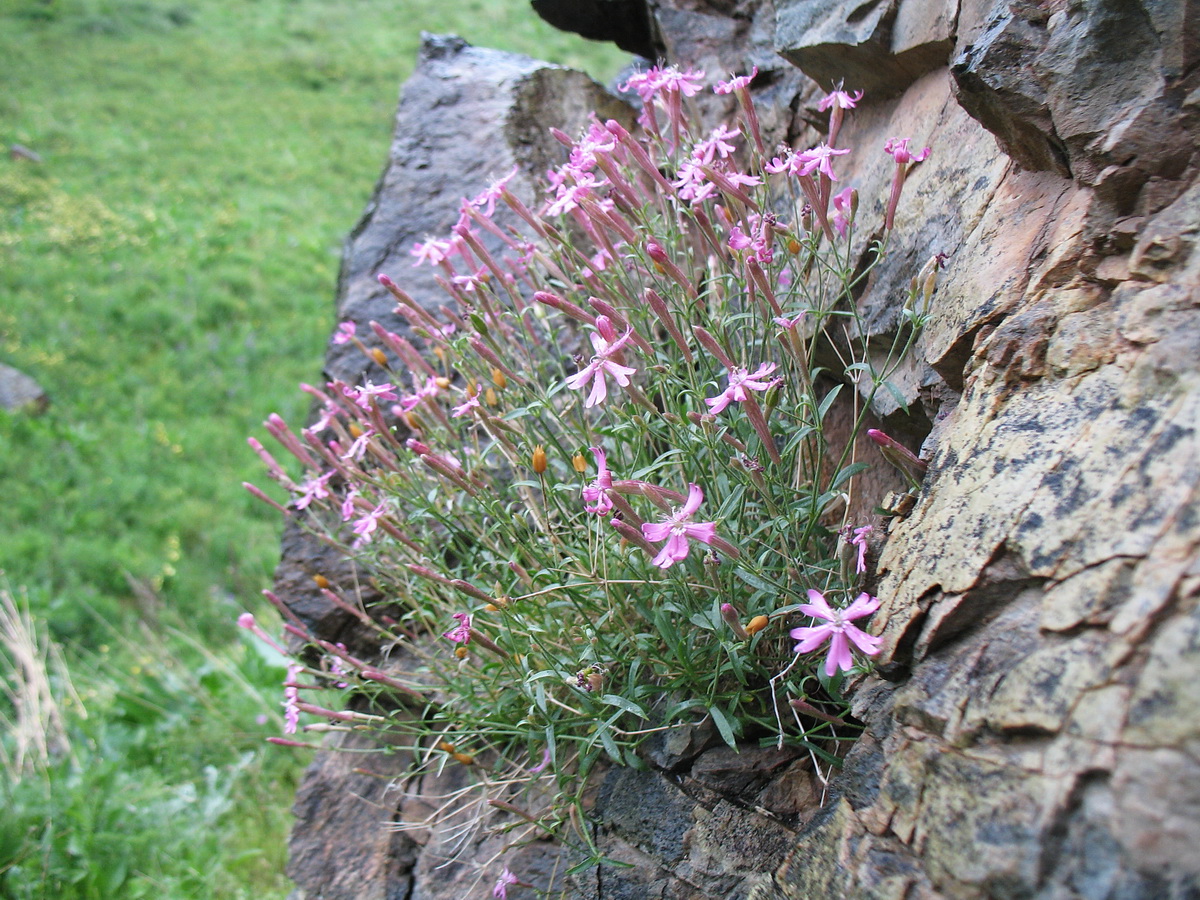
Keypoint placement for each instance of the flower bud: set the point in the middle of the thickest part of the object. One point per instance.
(499, 379)
(539, 459)
(730, 615)
(757, 624)
(442, 382)
(379, 356)
(579, 463)
(460, 652)
(490, 398)
(321, 581)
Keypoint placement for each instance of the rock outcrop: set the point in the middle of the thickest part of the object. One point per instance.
(1032, 729)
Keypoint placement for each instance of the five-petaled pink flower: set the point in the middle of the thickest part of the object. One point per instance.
(837, 629)
(506, 880)
(898, 148)
(741, 380)
(344, 333)
(735, 84)
(596, 493)
(677, 528)
(840, 99)
(601, 363)
(461, 633)
(472, 402)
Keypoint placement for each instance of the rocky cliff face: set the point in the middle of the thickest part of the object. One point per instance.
(1033, 729)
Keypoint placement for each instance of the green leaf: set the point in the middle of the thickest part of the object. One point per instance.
(828, 402)
(847, 473)
(724, 726)
(896, 395)
(756, 582)
(627, 705)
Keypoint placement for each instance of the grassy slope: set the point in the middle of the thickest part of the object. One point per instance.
(166, 274)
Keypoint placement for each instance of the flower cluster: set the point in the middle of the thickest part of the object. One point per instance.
(550, 602)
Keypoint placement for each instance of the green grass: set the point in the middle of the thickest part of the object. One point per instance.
(167, 274)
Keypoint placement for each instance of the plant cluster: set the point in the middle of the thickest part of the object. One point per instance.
(605, 489)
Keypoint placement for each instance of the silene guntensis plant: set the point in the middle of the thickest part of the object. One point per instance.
(600, 498)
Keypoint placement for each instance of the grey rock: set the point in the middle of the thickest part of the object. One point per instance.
(625, 23)
(20, 393)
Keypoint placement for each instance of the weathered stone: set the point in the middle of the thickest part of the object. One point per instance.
(624, 22)
(880, 47)
(20, 393)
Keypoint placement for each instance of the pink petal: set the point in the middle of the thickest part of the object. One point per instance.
(863, 605)
(817, 607)
(694, 499)
(656, 531)
(701, 531)
(839, 655)
(599, 391)
(677, 546)
(811, 637)
(867, 643)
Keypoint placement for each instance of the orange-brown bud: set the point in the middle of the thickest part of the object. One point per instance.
(442, 381)
(579, 463)
(490, 398)
(321, 581)
(379, 356)
(757, 624)
(355, 430)
(460, 652)
(499, 379)
(446, 746)
(539, 460)
(793, 246)
(465, 758)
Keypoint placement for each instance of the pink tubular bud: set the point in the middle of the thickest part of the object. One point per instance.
(428, 573)
(258, 494)
(898, 455)
(564, 306)
(710, 344)
(661, 310)
(634, 536)
(470, 590)
(489, 355)
(730, 615)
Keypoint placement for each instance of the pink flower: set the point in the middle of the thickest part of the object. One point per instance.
(541, 767)
(366, 526)
(362, 395)
(601, 363)
(839, 632)
(736, 84)
(843, 205)
(677, 528)
(898, 148)
(859, 540)
(741, 380)
(486, 201)
(344, 333)
(472, 402)
(817, 159)
(432, 252)
(461, 633)
(291, 699)
(506, 880)
(314, 489)
(840, 99)
(596, 493)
